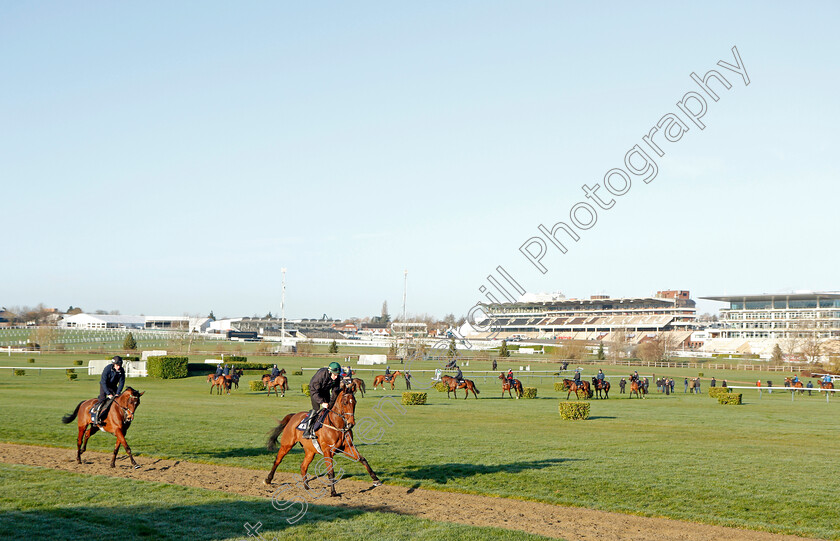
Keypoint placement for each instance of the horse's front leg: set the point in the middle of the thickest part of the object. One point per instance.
(121, 440)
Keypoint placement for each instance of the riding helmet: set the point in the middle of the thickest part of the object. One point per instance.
(335, 368)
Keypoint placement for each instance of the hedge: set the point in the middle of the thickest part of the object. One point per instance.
(559, 386)
(31, 361)
(72, 375)
(730, 399)
(570, 411)
(20, 372)
(297, 373)
(441, 387)
(70, 371)
(305, 389)
(529, 392)
(256, 385)
(715, 392)
(167, 367)
(78, 363)
(413, 398)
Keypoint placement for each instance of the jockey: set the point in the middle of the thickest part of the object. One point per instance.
(387, 370)
(226, 371)
(796, 379)
(577, 376)
(635, 376)
(459, 376)
(827, 378)
(218, 371)
(600, 376)
(510, 376)
(275, 372)
(110, 386)
(348, 371)
(323, 390)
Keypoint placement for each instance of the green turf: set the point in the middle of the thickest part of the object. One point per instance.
(769, 464)
(38, 503)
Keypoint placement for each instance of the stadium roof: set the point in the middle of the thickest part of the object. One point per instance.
(800, 295)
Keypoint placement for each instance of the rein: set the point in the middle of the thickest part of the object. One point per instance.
(340, 414)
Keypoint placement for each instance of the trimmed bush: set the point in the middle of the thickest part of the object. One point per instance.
(305, 389)
(297, 373)
(529, 392)
(558, 386)
(730, 399)
(699, 374)
(441, 387)
(70, 371)
(72, 375)
(412, 398)
(715, 392)
(20, 372)
(167, 367)
(236, 359)
(256, 385)
(78, 363)
(31, 361)
(571, 411)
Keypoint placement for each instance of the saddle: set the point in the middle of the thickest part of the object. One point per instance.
(318, 421)
(389, 377)
(99, 411)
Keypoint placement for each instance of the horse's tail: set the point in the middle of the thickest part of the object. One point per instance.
(476, 389)
(271, 444)
(362, 385)
(70, 416)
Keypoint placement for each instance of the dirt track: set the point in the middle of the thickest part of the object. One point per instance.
(545, 519)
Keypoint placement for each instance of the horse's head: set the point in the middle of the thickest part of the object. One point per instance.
(129, 400)
(502, 375)
(282, 371)
(346, 405)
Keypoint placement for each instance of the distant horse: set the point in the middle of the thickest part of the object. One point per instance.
(798, 385)
(222, 382)
(601, 385)
(453, 386)
(572, 386)
(826, 385)
(335, 436)
(118, 421)
(234, 378)
(280, 381)
(638, 387)
(353, 385)
(382, 379)
(517, 386)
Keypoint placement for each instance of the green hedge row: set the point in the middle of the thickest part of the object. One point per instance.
(715, 392)
(730, 399)
(559, 386)
(529, 392)
(412, 398)
(305, 389)
(441, 387)
(570, 411)
(20, 372)
(78, 363)
(256, 385)
(167, 367)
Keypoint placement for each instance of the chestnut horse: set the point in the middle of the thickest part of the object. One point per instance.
(354, 385)
(636, 386)
(453, 386)
(118, 421)
(517, 386)
(601, 385)
(335, 436)
(222, 382)
(826, 385)
(798, 385)
(380, 380)
(572, 386)
(280, 381)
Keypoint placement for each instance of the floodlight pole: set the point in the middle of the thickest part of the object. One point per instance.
(283, 308)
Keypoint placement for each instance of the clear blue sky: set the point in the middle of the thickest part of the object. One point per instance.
(169, 158)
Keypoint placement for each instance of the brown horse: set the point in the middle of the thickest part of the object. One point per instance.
(826, 385)
(354, 385)
(599, 386)
(453, 386)
(636, 386)
(574, 387)
(118, 421)
(798, 385)
(335, 436)
(234, 378)
(222, 382)
(380, 380)
(517, 386)
(280, 381)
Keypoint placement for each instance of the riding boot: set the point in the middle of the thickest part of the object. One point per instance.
(310, 422)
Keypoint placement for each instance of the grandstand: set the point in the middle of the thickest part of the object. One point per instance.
(597, 318)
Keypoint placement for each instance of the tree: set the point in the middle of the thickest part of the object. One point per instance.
(777, 357)
(129, 344)
(618, 344)
(268, 316)
(385, 317)
(453, 350)
(211, 316)
(601, 355)
(503, 351)
(333, 347)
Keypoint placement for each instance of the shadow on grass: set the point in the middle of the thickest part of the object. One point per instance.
(237, 519)
(442, 473)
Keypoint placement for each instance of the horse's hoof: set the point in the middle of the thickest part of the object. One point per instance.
(377, 483)
(267, 482)
(137, 466)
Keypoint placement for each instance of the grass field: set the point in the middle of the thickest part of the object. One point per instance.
(768, 464)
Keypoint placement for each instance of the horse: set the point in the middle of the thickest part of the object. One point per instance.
(798, 385)
(222, 382)
(573, 386)
(826, 385)
(636, 386)
(381, 379)
(453, 386)
(353, 385)
(336, 435)
(279, 381)
(601, 385)
(118, 421)
(234, 378)
(517, 386)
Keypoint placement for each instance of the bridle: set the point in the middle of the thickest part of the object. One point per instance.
(347, 426)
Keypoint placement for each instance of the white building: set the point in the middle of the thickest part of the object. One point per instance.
(96, 321)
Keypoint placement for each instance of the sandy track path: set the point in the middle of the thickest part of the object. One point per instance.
(571, 523)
